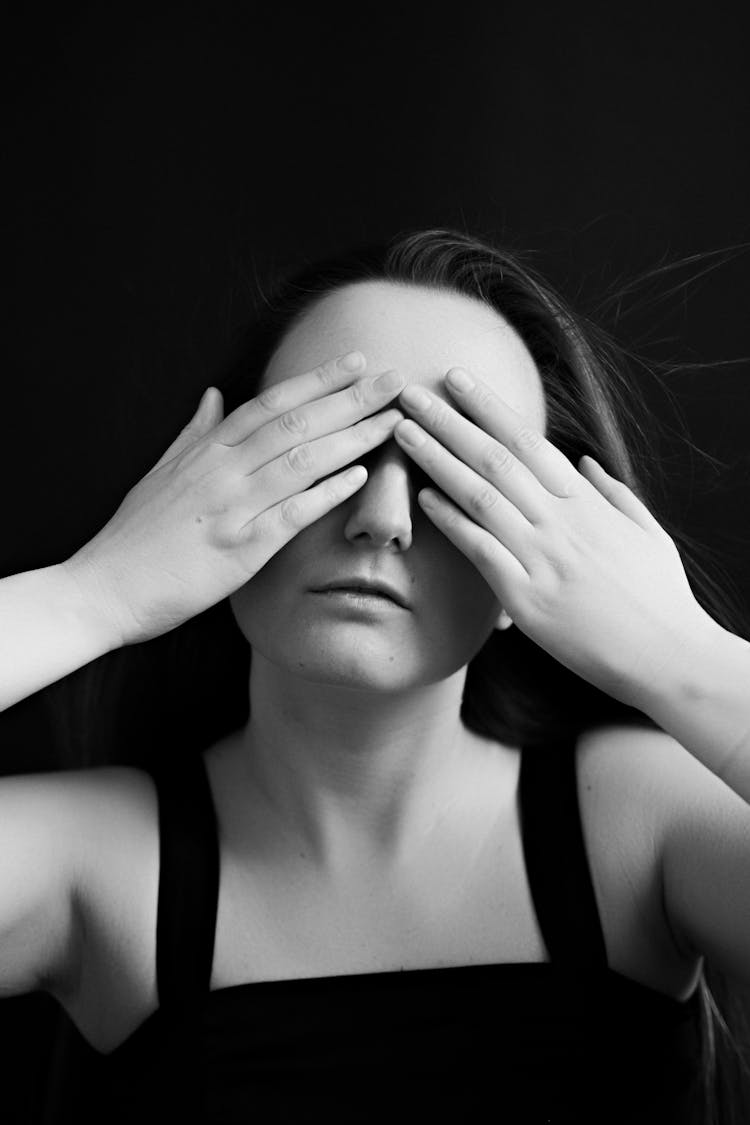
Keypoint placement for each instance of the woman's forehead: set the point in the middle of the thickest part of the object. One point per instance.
(421, 333)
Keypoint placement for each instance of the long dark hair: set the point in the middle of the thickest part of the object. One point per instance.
(183, 691)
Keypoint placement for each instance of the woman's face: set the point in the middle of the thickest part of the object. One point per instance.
(380, 531)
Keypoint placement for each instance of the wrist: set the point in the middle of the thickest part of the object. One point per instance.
(88, 601)
(684, 673)
(704, 702)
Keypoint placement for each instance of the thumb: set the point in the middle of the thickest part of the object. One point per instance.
(209, 413)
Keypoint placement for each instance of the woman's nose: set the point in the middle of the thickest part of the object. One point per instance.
(380, 512)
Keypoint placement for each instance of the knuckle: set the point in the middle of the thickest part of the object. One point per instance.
(526, 438)
(328, 373)
(293, 422)
(299, 459)
(483, 397)
(269, 398)
(560, 565)
(481, 552)
(225, 534)
(290, 513)
(358, 392)
(483, 499)
(440, 418)
(496, 460)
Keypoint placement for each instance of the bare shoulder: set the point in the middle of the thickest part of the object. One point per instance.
(61, 832)
(113, 795)
(619, 751)
(94, 807)
(634, 782)
(662, 800)
(645, 766)
(640, 780)
(115, 813)
(74, 813)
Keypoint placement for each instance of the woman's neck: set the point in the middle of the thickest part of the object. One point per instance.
(353, 776)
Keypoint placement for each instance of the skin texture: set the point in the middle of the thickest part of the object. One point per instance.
(381, 530)
(576, 557)
(355, 739)
(362, 826)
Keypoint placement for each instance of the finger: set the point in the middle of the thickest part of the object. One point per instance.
(208, 414)
(336, 412)
(304, 464)
(618, 494)
(277, 525)
(498, 566)
(478, 498)
(550, 467)
(488, 457)
(288, 395)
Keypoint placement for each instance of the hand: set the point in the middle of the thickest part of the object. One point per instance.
(574, 557)
(228, 494)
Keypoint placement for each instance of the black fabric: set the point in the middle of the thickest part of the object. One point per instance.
(564, 1041)
(185, 930)
(555, 855)
(188, 886)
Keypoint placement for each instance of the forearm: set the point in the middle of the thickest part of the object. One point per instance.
(49, 626)
(705, 705)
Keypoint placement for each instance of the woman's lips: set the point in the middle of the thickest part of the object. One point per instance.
(363, 586)
(366, 598)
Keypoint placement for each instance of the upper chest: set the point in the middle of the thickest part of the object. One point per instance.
(467, 901)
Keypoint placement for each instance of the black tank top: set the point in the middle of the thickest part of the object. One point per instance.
(533, 1043)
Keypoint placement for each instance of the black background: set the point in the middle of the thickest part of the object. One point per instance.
(163, 161)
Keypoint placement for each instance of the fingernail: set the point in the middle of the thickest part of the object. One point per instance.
(389, 417)
(352, 362)
(356, 476)
(390, 381)
(427, 498)
(410, 433)
(459, 379)
(415, 397)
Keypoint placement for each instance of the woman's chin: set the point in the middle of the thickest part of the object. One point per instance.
(355, 672)
(348, 657)
(388, 673)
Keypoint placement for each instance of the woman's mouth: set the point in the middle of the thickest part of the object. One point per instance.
(364, 597)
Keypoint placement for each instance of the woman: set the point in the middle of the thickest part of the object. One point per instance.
(488, 814)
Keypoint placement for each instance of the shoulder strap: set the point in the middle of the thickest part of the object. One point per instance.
(555, 854)
(188, 884)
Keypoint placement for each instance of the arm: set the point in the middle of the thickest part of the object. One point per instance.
(583, 567)
(224, 497)
(687, 822)
(703, 701)
(705, 858)
(49, 626)
(41, 829)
